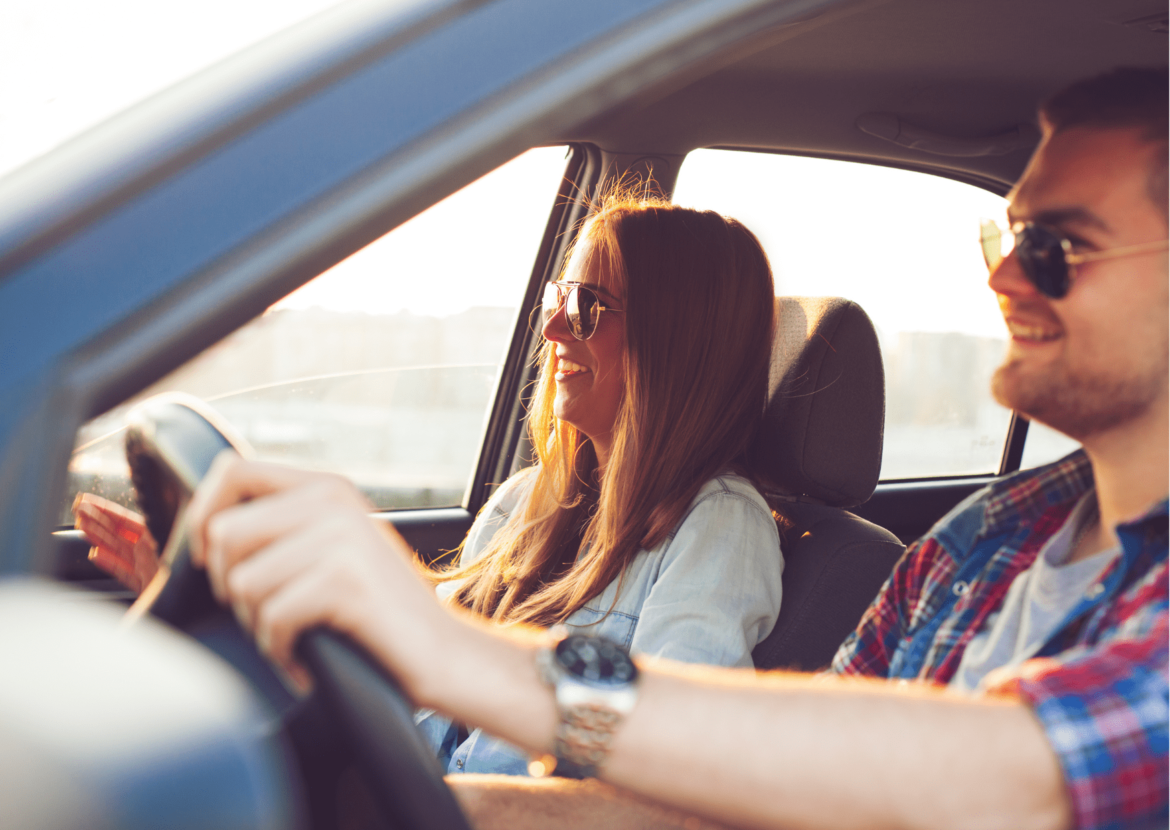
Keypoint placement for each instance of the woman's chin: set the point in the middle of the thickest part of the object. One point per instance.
(566, 412)
(561, 409)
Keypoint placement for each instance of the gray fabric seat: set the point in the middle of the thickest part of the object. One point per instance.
(821, 451)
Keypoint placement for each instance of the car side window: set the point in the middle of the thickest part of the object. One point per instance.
(1045, 445)
(904, 246)
(384, 367)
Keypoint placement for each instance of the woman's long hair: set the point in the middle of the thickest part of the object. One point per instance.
(698, 325)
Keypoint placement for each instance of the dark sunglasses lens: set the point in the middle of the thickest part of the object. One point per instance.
(582, 312)
(1041, 255)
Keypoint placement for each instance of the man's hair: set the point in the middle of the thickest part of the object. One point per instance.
(1127, 97)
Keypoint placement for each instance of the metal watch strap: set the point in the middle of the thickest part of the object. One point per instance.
(586, 727)
(583, 737)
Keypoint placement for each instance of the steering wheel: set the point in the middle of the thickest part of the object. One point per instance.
(171, 441)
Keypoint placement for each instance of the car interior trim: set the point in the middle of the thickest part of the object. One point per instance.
(506, 431)
(891, 127)
(1013, 448)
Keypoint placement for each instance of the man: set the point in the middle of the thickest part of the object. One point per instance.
(1034, 615)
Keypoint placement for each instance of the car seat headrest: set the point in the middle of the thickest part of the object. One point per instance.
(822, 433)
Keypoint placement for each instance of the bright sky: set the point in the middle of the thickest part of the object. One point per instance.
(829, 228)
(475, 248)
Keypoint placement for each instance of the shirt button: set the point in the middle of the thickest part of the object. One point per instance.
(1095, 590)
(960, 588)
(459, 763)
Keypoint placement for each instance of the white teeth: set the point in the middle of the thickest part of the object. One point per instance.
(1030, 332)
(567, 366)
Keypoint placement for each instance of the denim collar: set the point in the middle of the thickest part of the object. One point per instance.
(1021, 498)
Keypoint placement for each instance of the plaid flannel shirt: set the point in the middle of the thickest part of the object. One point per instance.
(1099, 686)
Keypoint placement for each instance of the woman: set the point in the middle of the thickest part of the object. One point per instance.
(638, 522)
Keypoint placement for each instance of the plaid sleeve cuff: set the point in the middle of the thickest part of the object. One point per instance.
(1105, 713)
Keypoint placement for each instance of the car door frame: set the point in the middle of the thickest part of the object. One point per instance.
(435, 532)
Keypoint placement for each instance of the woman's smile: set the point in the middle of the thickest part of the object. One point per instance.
(567, 369)
(589, 393)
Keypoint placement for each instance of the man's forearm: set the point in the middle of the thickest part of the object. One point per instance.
(795, 751)
(488, 677)
(789, 751)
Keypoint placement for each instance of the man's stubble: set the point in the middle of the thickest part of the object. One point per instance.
(1081, 403)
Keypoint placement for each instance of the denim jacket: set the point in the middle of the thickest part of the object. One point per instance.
(707, 594)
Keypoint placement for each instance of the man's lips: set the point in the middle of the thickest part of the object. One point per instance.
(1029, 322)
(1032, 332)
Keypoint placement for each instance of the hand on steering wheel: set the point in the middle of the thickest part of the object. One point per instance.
(301, 534)
(291, 550)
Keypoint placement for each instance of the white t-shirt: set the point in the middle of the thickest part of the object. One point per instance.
(1037, 602)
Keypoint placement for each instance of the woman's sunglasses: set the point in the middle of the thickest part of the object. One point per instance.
(582, 307)
(1046, 257)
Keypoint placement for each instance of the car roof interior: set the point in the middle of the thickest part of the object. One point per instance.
(962, 80)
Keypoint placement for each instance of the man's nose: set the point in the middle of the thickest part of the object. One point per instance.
(1009, 280)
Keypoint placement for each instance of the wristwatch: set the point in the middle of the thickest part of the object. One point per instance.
(596, 686)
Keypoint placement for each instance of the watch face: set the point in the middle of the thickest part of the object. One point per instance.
(595, 660)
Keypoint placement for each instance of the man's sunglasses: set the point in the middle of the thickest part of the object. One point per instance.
(1046, 257)
(582, 307)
